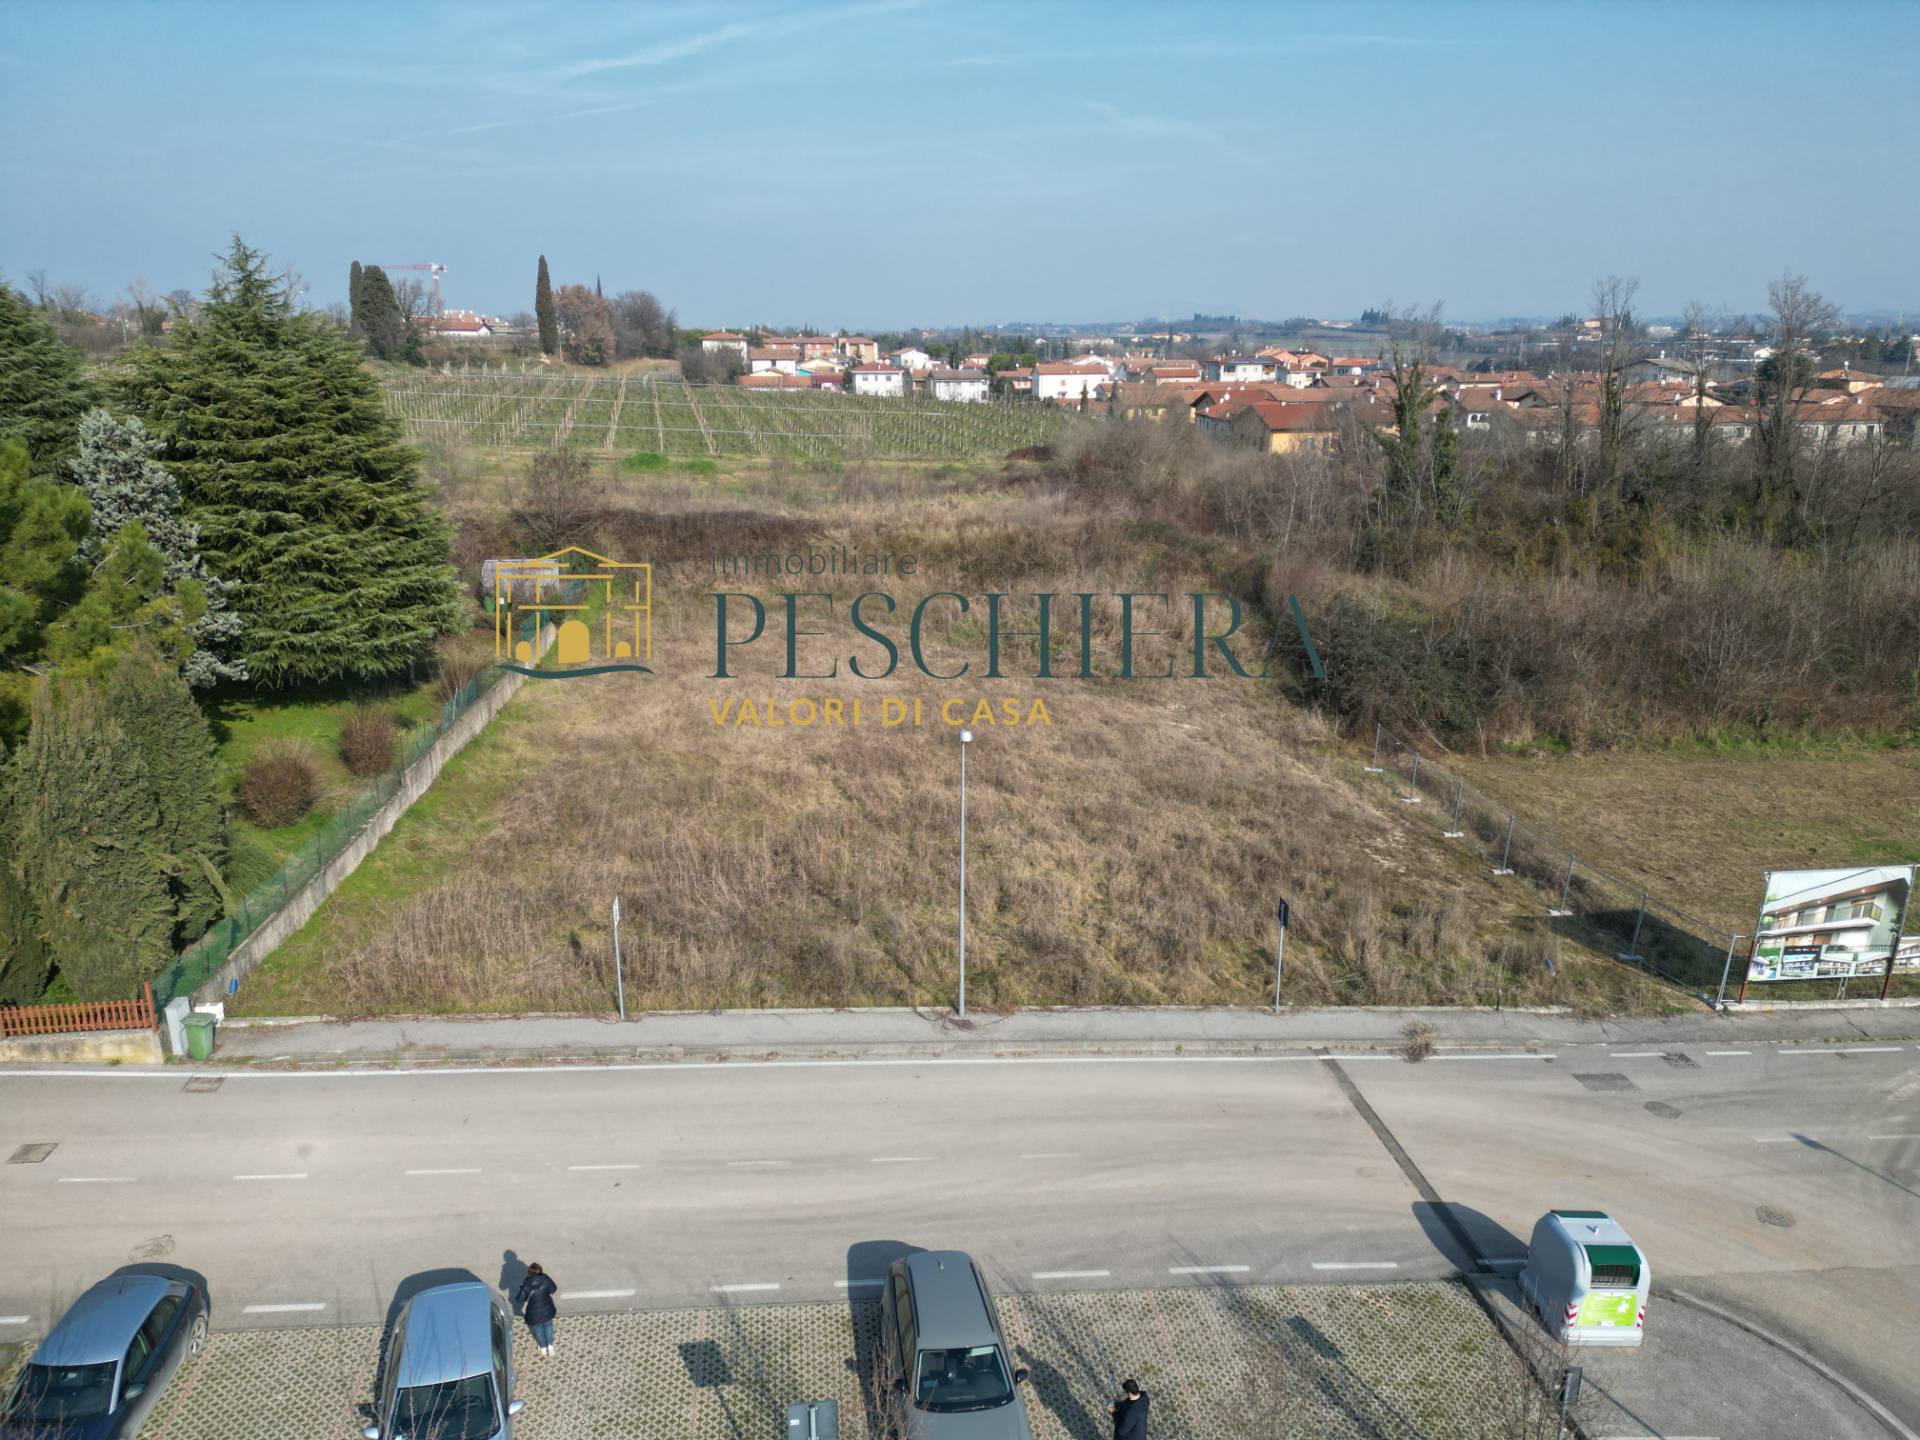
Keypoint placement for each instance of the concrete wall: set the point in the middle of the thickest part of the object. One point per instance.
(136, 1047)
(413, 784)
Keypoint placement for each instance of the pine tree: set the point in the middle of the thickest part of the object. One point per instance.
(42, 523)
(354, 327)
(543, 310)
(381, 322)
(307, 501)
(157, 712)
(24, 961)
(92, 866)
(44, 389)
(118, 468)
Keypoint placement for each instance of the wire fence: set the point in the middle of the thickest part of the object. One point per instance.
(192, 967)
(1641, 928)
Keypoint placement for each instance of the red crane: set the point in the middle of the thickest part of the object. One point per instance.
(438, 271)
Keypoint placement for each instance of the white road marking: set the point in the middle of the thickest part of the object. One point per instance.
(595, 1294)
(757, 1285)
(1356, 1264)
(460, 1170)
(1071, 1274)
(14, 1319)
(96, 1180)
(764, 1164)
(295, 1175)
(1847, 1050)
(1048, 1155)
(1635, 1054)
(603, 1167)
(1775, 1139)
(1893, 1137)
(900, 1159)
(283, 1309)
(1542, 1056)
(857, 1284)
(1208, 1269)
(1729, 1052)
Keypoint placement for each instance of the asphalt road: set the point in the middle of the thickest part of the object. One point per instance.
(1783, 1181)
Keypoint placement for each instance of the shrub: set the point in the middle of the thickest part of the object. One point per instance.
(646, 462)
(458, 663)
(367, 735)
(279, 784)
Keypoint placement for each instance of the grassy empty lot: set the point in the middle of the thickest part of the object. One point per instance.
(1128, 852)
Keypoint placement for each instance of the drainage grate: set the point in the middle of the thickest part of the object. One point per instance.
(1606, 1082)
(202, 1083)
(1662, 1109)
(1679, 1061)
(32, 1154)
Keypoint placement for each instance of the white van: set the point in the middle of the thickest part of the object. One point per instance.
(1586, 1279)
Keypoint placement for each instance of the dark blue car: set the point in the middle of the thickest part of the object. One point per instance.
(99, 1371)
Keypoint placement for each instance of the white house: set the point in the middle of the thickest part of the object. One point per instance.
(718, 340)
(1240, 369)
(888, 380)
(967, 384)
(784, 358)
(459, 325)
(1066, 381)
(912, 359)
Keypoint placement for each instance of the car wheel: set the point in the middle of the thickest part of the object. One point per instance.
(197, 1336)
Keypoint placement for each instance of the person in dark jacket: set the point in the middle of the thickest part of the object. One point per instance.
(535, 1299)
(1130, 1412)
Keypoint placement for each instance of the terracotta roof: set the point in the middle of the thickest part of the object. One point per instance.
(722, 335)
(1278, 415)
(1346, 360)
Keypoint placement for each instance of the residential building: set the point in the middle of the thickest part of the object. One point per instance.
(878, 379)
(784, 358)
(1018, 379)
(717, 340)
(1240, 369)
(1066, 381)
(1351, 364)
(859, 349)
(1175, 372)
(963, 384)
(910, 358)
(458, 325)
(976, 361)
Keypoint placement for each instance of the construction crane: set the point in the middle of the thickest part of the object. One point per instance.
(438, 271)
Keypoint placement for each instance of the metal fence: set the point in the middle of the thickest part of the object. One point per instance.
(192, 967)
(1641, 928)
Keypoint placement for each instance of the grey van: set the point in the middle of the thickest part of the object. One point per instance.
(947, 1350)
(99, 1371)
(449, 1370)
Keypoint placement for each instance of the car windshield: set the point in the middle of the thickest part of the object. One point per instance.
(62, 1392)
(968, 1379)
(451, 1410)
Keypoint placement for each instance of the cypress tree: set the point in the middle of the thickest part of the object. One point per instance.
(354, 327)
(543, 310)
(44, 389)
(24, 961)
(308, 502)
(42, 523)
(381, 323)
(91, 863)
(157, 712)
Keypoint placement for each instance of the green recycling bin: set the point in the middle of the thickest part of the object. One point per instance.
(199, 1028)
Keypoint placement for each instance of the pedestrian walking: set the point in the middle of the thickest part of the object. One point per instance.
(1130, 1412)
(535, 1299)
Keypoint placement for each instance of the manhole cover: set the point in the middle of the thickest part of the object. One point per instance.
(158, 1248)
(1679, 1061)
(205, 1082)
(1770, 1216)
(32, 1154)
(1662, 1109)
(1606, 1082)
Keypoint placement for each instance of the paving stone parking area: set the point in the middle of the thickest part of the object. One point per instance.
(1414, 1360)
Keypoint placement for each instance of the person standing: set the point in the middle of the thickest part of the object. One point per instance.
(535, 1299)
(1130, 1412)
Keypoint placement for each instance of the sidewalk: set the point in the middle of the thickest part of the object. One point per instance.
(932, 1034)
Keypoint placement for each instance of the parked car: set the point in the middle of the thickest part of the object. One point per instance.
(947, 1351)
(100, 1370)
(449, 1369)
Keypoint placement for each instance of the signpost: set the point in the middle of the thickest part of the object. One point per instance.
(1280, 954)
(619, 979)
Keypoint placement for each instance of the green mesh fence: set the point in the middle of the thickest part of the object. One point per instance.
(192, 967)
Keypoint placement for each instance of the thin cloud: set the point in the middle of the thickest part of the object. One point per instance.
(665, 52)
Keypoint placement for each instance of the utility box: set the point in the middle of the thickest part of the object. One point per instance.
(814, 1420)
(1586, 1279)
(176, 1014)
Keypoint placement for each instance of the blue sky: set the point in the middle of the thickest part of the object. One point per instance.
(883, 163)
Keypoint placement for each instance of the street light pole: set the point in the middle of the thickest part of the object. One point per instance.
(966, 739)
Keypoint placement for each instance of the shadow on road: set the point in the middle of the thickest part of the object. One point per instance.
(1469, 1240)
(867, 1262)
(512, 1271)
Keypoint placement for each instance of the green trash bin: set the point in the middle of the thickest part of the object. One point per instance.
(199, 1035)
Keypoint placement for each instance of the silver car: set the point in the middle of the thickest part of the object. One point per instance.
(947, 1352)
(449, 1370)
(99, 1371)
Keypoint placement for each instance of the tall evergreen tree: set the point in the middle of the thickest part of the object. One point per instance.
(543, 310)
(381, 322)
(157, 712)
(24, 961)
(354, 327)
(118, 468)
(42, 524)
(92, 865)
(44, 389)
(308, 502)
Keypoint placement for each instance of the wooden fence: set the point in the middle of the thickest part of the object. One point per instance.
(81, 1015)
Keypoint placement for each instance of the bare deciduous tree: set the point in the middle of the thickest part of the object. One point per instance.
(557, 502)
(1619, 339)
(1801, 319)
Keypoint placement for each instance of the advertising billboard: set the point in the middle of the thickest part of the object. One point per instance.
(1832, 924)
